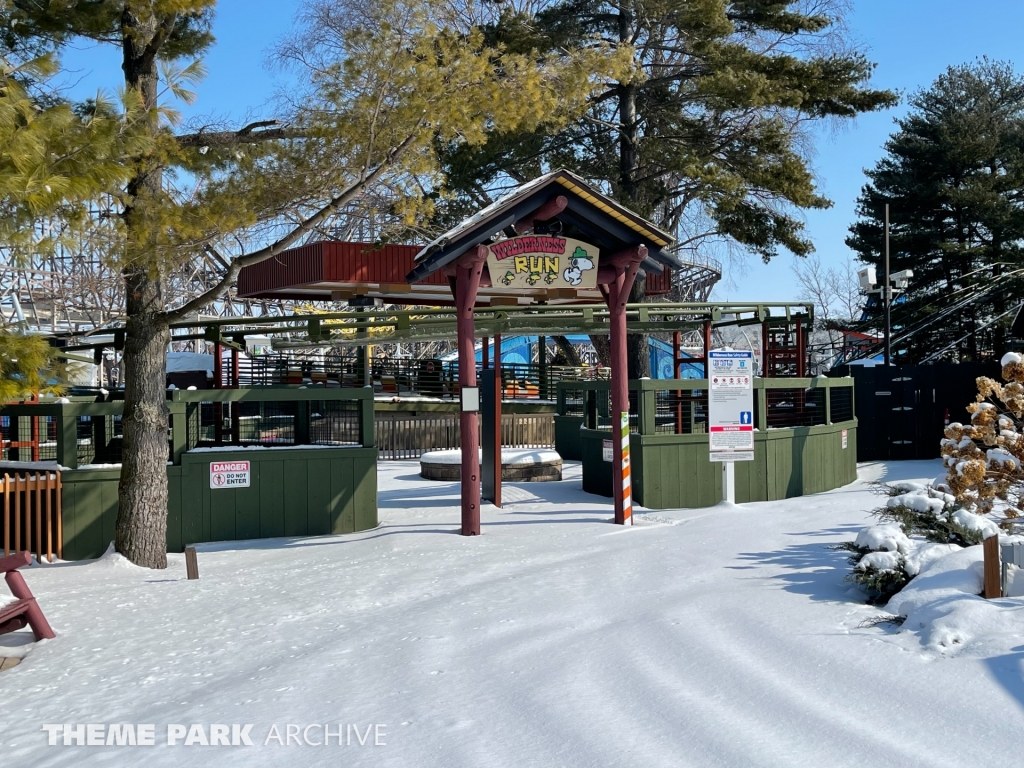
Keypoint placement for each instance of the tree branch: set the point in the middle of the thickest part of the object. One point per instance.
(275, 248)
(247, 135)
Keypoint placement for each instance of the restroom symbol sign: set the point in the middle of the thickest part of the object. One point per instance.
(746, 417)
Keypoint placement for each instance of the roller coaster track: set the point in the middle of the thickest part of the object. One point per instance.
(908, 324)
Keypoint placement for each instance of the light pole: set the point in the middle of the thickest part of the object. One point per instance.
(886, 290)
(887, 295)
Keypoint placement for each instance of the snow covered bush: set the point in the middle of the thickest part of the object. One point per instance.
(984, 459)
(984, 484)
(917, 525)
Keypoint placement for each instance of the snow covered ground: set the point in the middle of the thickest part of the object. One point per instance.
(714, 637)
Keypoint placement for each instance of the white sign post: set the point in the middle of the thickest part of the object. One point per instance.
(730, 413)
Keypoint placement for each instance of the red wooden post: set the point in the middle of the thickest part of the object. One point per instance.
(467, 281)
(218, 408)
(218, 367)
(236, 420)
(8, 513)
(498, 392)
(626, 264)
(801, 350)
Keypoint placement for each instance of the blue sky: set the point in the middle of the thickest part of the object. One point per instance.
(912, 42)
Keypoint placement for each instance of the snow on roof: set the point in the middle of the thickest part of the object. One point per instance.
(178, 362)
(483, 214)
(571, 182)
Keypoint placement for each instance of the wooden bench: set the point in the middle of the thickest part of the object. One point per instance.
(24, 610)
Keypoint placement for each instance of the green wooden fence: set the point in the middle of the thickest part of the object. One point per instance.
(805, 440)
(297, 487)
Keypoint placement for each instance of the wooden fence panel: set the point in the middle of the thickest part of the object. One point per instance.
(32, 514)
(409, 437)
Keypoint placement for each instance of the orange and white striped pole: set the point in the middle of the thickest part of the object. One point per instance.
(627, 479)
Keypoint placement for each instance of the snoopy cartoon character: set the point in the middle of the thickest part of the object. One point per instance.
(578, 264)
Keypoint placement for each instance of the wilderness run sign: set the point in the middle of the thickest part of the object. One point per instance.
(526, 260)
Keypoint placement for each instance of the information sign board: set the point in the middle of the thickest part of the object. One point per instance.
(731, 405)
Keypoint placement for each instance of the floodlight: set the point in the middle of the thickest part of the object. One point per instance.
(902, 278)
(867, 278)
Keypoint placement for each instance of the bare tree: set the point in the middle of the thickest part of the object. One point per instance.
(835, 292)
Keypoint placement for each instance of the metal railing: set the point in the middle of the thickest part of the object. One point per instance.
(87, 432)
(408, 436)
(427, 377)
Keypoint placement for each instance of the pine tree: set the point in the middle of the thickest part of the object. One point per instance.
(28, 367)
(703, 135)
(53, 161)
(953, 177)
(381, 94)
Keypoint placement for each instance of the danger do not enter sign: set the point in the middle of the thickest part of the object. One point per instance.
(229, 474)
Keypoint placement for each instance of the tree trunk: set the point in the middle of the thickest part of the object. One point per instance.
(568, 351)
(141, 533)
(638, 354)
(603, 348)
(628, 131)
(141, 530)
(638, 361)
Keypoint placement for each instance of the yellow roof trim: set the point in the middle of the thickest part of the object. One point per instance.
(613, 212)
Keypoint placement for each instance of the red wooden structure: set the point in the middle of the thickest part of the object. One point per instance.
(34, 436)
(784, 348)
(337, 271)
(24, 610)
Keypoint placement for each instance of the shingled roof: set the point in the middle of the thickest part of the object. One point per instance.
(589, 215)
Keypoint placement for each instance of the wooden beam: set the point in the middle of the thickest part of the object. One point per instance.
(993, 571)
(467, 283)
(562, 293)
(549, 210)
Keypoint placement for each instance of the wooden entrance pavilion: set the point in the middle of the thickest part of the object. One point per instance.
(555, 240)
